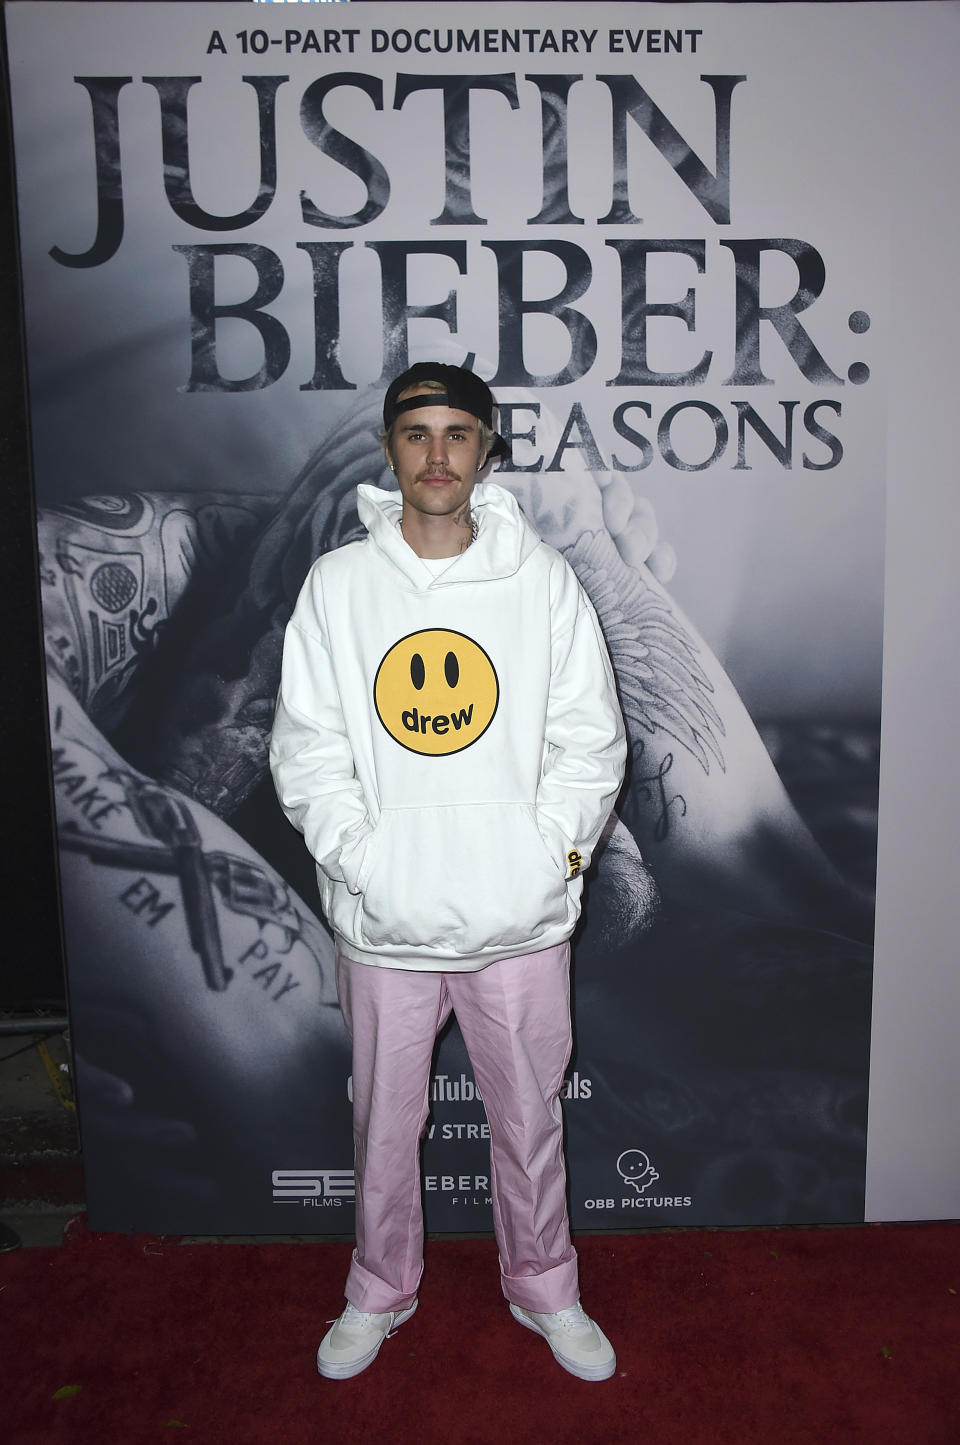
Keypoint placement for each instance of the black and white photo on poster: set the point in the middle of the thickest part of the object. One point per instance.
(655, 247)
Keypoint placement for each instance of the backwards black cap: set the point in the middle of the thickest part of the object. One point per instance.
(463, 391)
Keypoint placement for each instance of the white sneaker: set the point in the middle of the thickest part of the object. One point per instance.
(577, 1343)
(351, 1344)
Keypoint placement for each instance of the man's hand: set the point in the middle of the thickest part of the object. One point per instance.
(563, 506)
(632, 523)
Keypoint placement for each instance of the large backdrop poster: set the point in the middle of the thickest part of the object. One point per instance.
(656, 231)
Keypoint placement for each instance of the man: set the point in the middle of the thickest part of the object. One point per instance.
(449, 741)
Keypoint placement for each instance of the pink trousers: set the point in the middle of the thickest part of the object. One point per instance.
(515, 1019)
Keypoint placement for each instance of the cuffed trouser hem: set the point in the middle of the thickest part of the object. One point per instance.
(554, 1289)
(366, 1291)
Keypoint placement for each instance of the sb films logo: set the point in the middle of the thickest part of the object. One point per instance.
(638, 1174)
(314, 1188)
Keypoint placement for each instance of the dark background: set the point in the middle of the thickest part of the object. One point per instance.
(31, 970)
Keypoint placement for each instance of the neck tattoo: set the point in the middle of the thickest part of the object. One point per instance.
(465, 518)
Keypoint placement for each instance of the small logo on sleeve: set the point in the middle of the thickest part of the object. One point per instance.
(574, 862)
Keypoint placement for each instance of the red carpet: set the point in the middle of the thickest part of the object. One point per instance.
(773, 1336)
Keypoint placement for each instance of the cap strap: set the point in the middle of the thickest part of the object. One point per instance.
(432, 398)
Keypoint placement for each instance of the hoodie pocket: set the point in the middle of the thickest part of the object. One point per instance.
(461, 879)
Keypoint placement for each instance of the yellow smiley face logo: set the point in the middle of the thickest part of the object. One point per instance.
(436, 692)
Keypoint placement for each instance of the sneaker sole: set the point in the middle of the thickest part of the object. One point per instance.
(573, 1367)
(330, 1370)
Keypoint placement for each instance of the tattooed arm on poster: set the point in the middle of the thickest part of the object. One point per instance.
(200, 964)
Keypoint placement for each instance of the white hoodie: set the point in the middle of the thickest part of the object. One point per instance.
(450, 746)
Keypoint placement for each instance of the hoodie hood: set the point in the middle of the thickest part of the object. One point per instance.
(505, 539)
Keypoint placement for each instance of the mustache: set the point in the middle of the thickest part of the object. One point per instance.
(439, 472)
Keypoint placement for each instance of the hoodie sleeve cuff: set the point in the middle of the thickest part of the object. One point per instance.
(568, 859)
